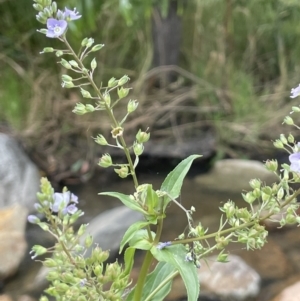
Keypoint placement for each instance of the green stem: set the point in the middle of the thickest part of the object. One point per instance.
(109, 112)
(142, 276)
(232, 229)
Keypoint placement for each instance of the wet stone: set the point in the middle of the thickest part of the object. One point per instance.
(233, 175)
(291, 293)
(12, 237)
(234, 280)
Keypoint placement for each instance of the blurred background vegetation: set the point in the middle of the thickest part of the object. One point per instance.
(232, 66)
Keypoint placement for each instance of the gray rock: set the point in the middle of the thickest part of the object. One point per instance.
(234, 280)
(233, 175)
(12, 237)
(109, 227)
(19, 177)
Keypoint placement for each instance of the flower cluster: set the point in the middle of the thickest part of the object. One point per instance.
(55, 19)
(62, 203)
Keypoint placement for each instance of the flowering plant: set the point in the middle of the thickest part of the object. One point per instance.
(73, 275)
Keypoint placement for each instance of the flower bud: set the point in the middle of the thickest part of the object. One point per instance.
(47, 11)
(37, 7)
(90, 42)
(47, 49)
(296, 109)
(38, 250)
(138, 148)
(50, 263)
(101, 140)
(280, 193)
(43, 298)
(85, 93)
(54, 7)
(74, 64)
(97, 47)
(66, 78)
(132, 105)
(291, 138)
(123, 92)
(123, 80)
(59, 53)
(89, 108)
(67, 85)
(88, 241)
(105, 161)
(82, 229)
(84, 42)
(33, 219)
(98, 270)
(249, 197)
(142, 137)
(288, 120)
(122, 172)
(290, 219)
(255, 183)
(93, 64)
(271, 165)
(112, 82)
(278, 144)
(66, 64)
(107, 98)
(79, 109)
(222, 257)
(283, 139)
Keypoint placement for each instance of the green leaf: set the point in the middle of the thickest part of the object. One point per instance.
(129, 260)
(140, 240)
(160, 274)
(126, 200)
(173, 182)
(131, 231)
(175, 255)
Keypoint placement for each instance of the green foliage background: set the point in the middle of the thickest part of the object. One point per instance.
(244, 53)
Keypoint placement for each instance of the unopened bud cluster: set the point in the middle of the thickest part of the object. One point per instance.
(72, 275)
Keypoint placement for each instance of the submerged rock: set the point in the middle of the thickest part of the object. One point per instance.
(19, 177)
(291, 293)
(233, 175)
(234, 281)
(109, 227)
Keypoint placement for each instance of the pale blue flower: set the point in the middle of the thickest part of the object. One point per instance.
(71, 15)
(295, 92)
(61, 201)
(162, 245)
(33, 219)
(295, 162)
(56, 28)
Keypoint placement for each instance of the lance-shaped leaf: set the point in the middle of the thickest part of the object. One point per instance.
(175, 255)
(173, 182)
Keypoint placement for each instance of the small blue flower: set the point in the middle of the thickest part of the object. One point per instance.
(56, 28)
(71, 15)
(33, 219)
(295, 162)
(71, 209)
(295, 92)
(61, 201)
(162, 245)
